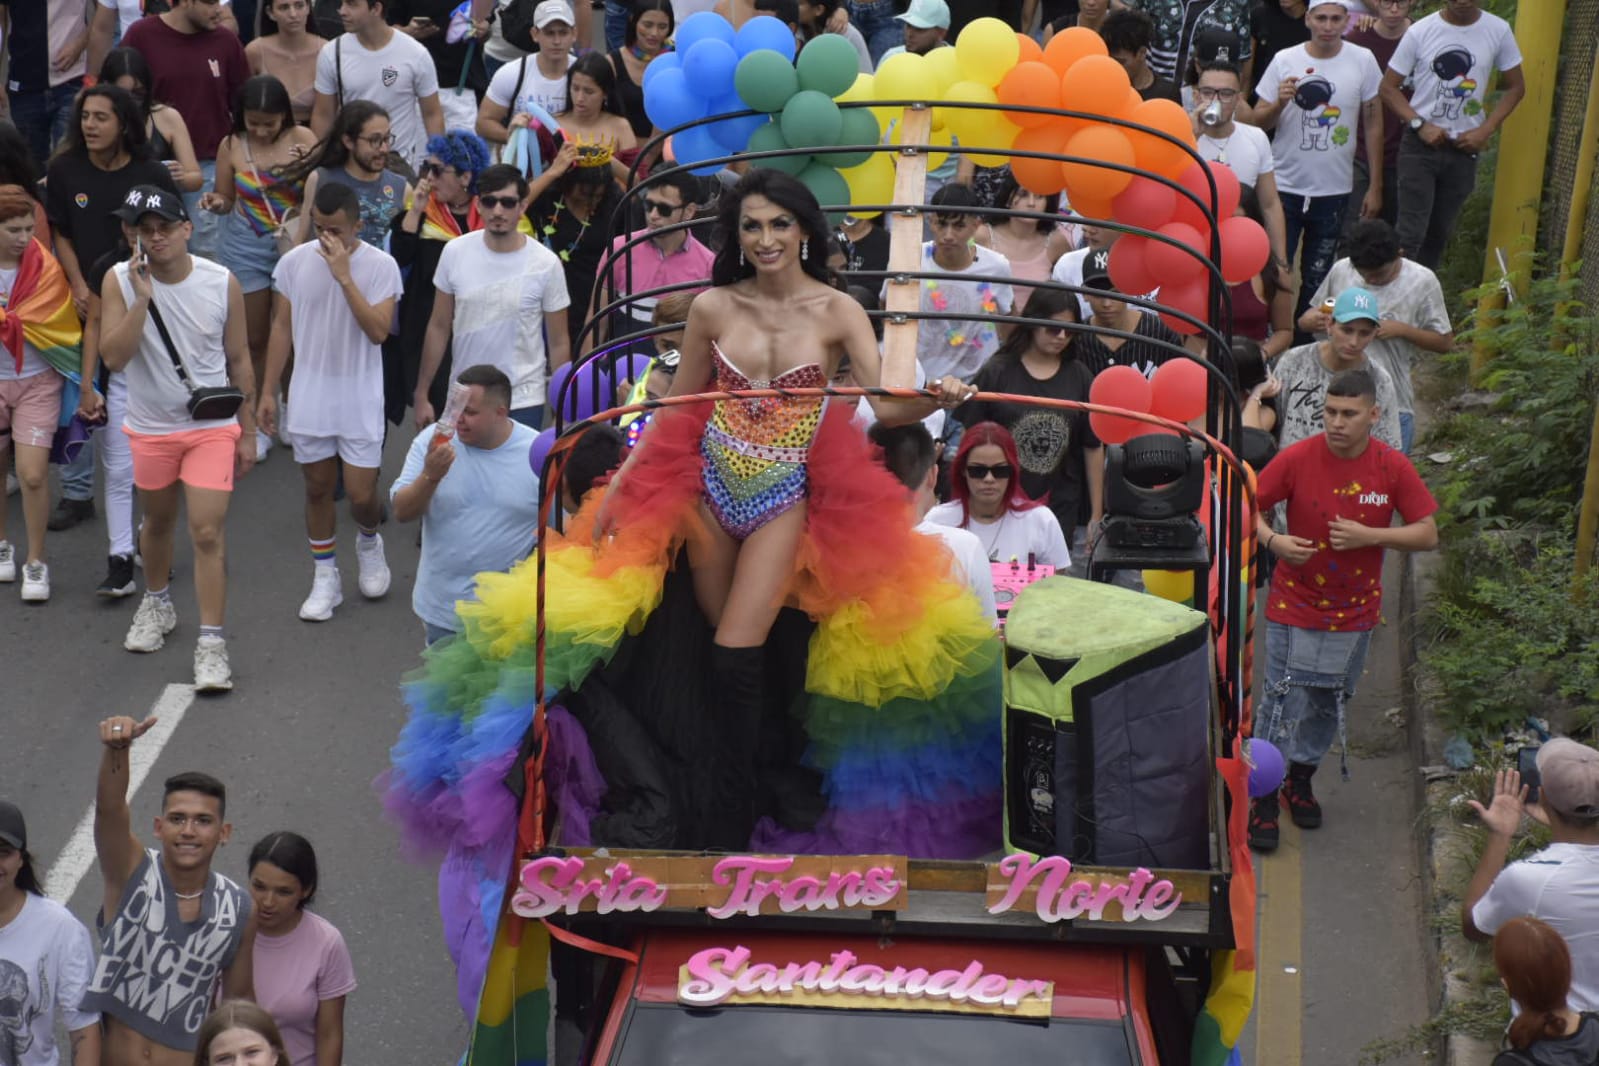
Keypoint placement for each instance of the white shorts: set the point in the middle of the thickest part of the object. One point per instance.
(354, 452)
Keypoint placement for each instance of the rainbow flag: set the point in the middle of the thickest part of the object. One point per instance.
(513, 1016)
(1232, 986)
(41, 313)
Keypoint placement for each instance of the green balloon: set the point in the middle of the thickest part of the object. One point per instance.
(828, 64)
(769, 138)
(811, 120)
(765, 80)
(860, 127)
(829, 188)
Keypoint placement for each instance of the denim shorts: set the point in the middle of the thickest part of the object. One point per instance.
(251, 256)
(1310, 677)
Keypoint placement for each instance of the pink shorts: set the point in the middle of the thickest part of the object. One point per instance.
(200, 458)
(30, 408)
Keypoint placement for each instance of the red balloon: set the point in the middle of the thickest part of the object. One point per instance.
(1176, 265)
(1194, 180)
(1245, 248)
(1129, 265)
(1041, 176)
(1118, 386)
(1177, 391)
(1192, 297)
(1145, 203)
(1030, 84)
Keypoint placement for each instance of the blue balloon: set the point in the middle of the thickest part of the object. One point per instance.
(708, 68)
(661, 64)
(733, 134)
(671, 103)
(540, 450)
(692, 145)
(702, 26)
(763, 31)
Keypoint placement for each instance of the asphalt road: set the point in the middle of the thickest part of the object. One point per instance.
(315, 707)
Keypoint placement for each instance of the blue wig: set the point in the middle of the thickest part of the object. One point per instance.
(461, 149)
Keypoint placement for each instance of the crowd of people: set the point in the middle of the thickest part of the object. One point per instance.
(222, 232)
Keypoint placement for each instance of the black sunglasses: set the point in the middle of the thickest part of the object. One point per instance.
(498, 201)
(660, 207)
(982, 471)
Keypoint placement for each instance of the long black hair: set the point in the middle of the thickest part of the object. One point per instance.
(639, 9)
(291, 853)
(331, 150)
(792, 196)
(1009, 187)
(129, 63)
(28, 876)
(1041, 303)
(129, 118)
(265, 94)
(597, 68)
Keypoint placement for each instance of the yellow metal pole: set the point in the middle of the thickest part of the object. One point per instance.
(1518, 178)
(1588, 515)
(1581, 187)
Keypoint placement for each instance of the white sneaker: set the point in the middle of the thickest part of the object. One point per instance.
(8, 562)
(211, 670)
(374, 575)
(151, 624)
(327, 592)
(35, 583)
(263, 445)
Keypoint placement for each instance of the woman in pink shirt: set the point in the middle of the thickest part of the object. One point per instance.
(302, 967)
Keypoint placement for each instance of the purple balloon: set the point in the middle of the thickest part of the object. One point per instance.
(557, 380)
(540, 450)
(1265, 767)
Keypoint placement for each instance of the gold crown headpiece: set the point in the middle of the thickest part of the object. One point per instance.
(593, 153)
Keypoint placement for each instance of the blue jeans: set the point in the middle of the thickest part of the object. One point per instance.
(531, 417)
(616, 16)
(875, 19)
(77, 477)
(42, 116)
(207, 224)
(1310, 678)
(1407, 429)
(1320, 220)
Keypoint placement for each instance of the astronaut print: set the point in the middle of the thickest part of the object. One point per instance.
(1457, 90)
(1313, 95)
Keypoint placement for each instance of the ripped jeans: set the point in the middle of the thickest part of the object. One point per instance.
(1310, 678)
(1318, 220)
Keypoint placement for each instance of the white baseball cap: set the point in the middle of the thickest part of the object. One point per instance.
(926, 14)
(553, 11)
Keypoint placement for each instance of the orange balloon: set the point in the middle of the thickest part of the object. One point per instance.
(1030, 85)
(1097, 85)
(1133, 100)
(1091, 208)
(1090, 180)
(1042, 176)
(1155, 154)
(1071, 44)
(1030, 51)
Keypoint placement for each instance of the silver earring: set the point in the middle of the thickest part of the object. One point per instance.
(741, 259)
(805, 248)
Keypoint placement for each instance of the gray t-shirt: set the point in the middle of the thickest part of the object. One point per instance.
(1414, 298)
(381, 199)
(1304, 393)
(158, 974)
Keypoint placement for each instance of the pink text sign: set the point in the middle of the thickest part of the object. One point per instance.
(1049, 887)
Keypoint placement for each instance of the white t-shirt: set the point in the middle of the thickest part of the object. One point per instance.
(337, 388)
(396, 77)
(500, 301)
(548, 93)
(961, 346)
(863, 54)
(1068, 270)
(195, 311)
(971, 565)
(1452, 67)
(46, 960)
(1558, 885)
(1246, 149)
(1414, 297)
(1016, 535)
(1315, 140)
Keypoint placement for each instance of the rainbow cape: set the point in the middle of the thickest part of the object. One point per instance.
(41, 313)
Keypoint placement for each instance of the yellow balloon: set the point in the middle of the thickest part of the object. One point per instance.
(905, 76)
(1174, 585)
(866, 89)
(935, 139)
(965, 123)
(945, 67)
(871, 183)
(986, 49)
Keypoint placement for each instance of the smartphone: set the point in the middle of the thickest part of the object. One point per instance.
(138, 253)
(422, 20)
(1527, 765)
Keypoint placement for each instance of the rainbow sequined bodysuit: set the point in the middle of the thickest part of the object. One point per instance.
(755, 450)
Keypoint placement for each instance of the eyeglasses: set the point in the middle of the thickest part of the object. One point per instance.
(982, 471)
(498, 201)
(377, 140)
(1206, 92)
(660, 207)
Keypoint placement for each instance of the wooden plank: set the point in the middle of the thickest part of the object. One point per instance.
(905, 251)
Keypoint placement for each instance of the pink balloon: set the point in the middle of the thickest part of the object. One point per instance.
(1175, 265)
(1177, 391)
(1129, 265)
(1245, 248)
(1145, 202)
(1118, 386)
(1227, 192)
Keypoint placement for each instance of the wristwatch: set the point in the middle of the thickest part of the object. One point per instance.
(1416, 124)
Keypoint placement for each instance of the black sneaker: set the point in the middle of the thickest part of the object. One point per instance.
(1263, 823)
(1301, 801)
(69, 513)
(118, 578)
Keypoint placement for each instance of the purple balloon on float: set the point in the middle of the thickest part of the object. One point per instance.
(1265, 767)
(540, 451)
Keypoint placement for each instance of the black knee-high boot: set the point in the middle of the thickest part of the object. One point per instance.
(737, 706)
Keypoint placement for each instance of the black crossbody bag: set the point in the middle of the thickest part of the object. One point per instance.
(211, 403)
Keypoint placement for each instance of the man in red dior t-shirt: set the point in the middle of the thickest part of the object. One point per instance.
(1342, 489)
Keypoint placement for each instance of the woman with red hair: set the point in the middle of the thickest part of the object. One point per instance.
(990, 502)
(1535, 965)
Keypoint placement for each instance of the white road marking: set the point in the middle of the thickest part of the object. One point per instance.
(78, 856)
